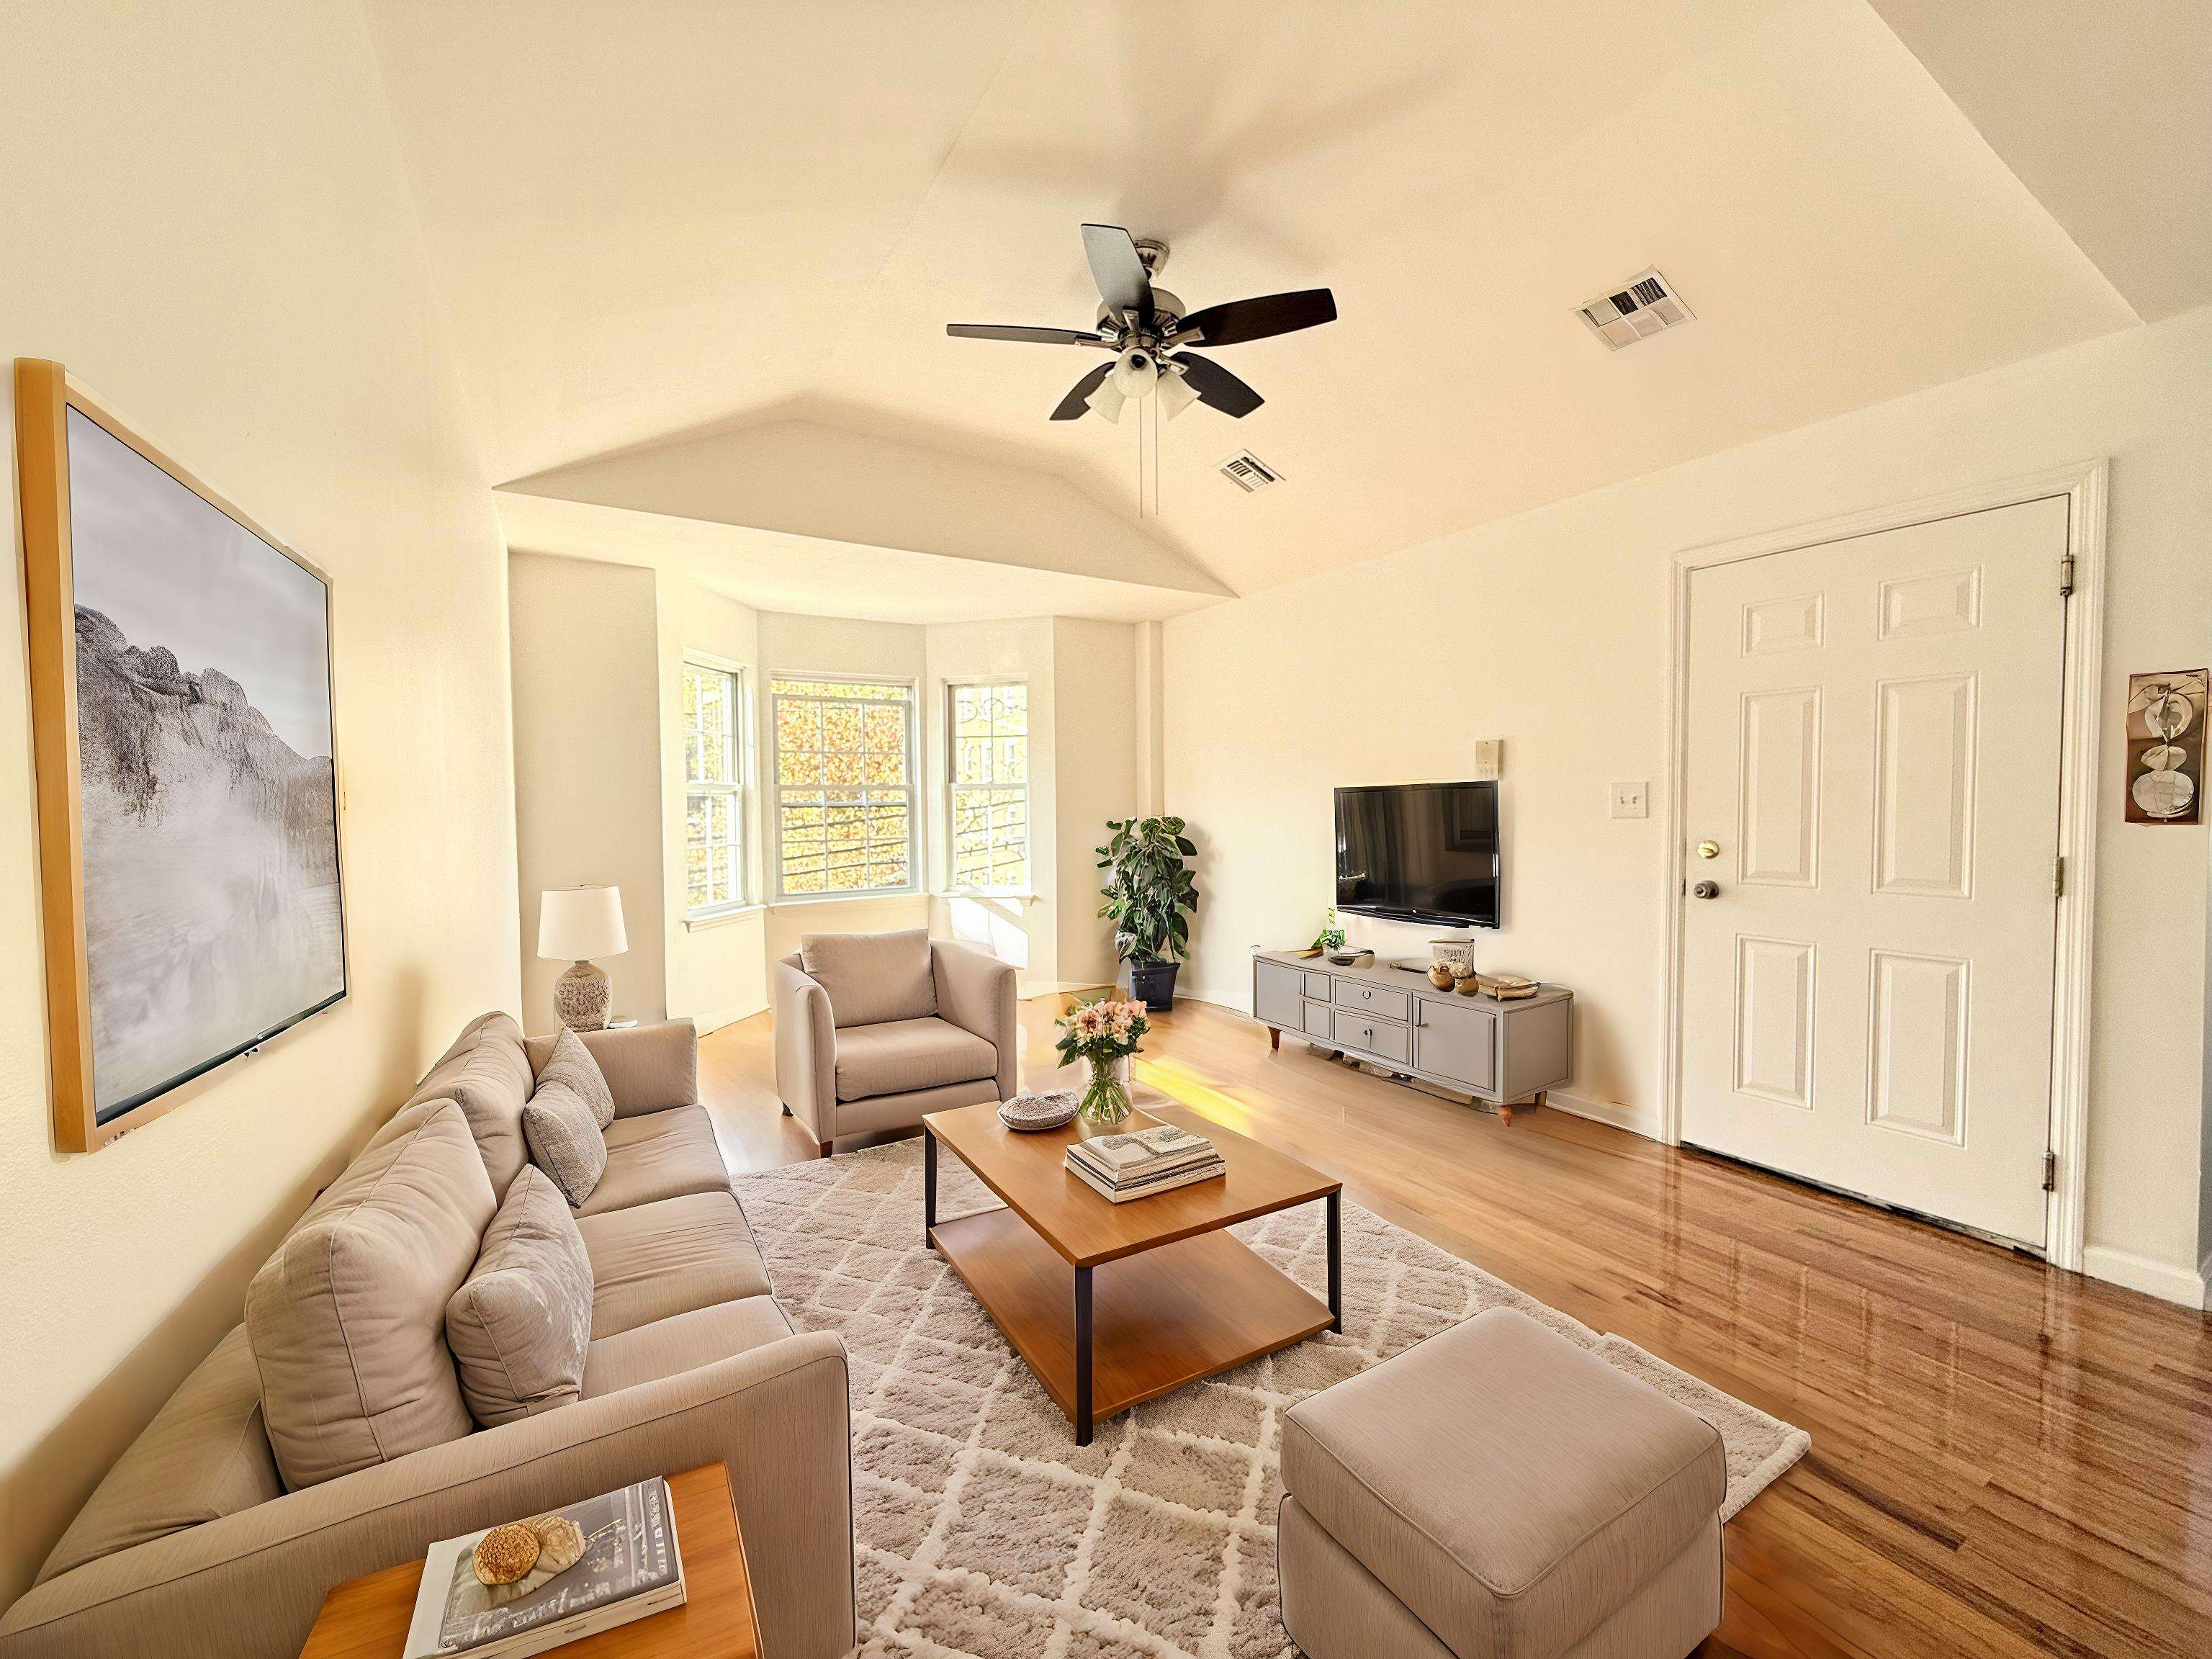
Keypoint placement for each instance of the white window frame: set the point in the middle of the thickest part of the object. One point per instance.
(773, 756)
(736, 789)
(952, 785)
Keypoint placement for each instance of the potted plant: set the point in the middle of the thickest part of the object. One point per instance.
(1149, 897)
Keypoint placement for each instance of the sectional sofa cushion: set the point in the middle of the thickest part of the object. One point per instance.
(487, 1072)
(661, 1260)
(519, 1323)
(871, 977)
(203, 1455)
(348, 1319)
(657, 1155)
(571, 1064)
(648, 1068)
(901, 1056)
(682, 1342)
(564, 1140)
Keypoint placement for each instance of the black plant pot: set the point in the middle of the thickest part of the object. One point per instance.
(1152, 984)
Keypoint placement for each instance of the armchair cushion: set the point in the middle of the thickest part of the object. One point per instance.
(901, 1056)
(871, 978)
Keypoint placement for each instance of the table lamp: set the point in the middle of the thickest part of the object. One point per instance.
(581, 923)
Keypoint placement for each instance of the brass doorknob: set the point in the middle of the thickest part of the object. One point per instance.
(1706, 890)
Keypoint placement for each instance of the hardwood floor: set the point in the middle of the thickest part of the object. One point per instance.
(2007, 1460)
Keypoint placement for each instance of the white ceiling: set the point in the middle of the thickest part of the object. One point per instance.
(649, 220)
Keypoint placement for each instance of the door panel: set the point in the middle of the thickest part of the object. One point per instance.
(1873, 741)
(1457, 1042)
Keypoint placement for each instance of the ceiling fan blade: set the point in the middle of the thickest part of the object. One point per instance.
(1256, 319)
(1116, 269)
(1073, 407)
(1216, 386)
(1019, 331)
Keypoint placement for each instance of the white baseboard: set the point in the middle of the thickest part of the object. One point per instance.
(1644, 1123)
(2140, 1272)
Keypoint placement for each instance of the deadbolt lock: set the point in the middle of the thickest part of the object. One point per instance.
(1708, 849)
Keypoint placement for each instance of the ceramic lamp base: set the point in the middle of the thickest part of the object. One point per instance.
(581, 997)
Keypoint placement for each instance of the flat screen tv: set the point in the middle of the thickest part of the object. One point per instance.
(1420, 852)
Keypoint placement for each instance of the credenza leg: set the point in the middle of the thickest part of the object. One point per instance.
(1274, 1040)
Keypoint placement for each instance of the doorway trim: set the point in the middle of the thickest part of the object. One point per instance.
(2083, 485)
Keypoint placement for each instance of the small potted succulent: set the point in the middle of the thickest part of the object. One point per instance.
(1150, 895)
(1331, 936)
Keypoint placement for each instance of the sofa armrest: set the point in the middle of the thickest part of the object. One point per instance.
(975, 992)
(249, 1585)
(648, 1068)
(805, 1048)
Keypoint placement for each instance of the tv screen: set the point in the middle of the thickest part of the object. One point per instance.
(1420, 852)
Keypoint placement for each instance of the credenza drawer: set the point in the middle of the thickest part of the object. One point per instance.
(1317, 986)
(1317, 1019)
(1375, 1037)
(1379, 1000)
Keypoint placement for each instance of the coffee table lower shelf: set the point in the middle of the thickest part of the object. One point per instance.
(1157, 1320)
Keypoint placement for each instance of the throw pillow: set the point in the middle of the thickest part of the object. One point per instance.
(565, 1139)
(571, 1063)
(346, 1321)
(519, 1325)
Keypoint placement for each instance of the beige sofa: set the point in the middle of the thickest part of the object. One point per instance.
(192, 1547)
(873, 1029)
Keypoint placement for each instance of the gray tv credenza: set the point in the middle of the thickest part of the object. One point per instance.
(1506, 1053)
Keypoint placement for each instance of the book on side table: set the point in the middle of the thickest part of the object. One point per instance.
(1143, 1162)
(629, 1568)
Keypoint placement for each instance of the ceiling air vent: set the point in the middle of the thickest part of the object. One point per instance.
(1249, 472)
(1644, 306)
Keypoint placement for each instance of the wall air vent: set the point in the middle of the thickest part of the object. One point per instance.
(1249, 472)
(1645, 306)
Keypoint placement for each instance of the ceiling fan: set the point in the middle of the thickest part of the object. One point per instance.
(1148, 331)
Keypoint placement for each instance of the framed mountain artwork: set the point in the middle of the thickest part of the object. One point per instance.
(187, 781)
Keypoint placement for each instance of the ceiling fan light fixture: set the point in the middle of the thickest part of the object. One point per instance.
(1174, 391)
(1136, 372)
(1106, 401)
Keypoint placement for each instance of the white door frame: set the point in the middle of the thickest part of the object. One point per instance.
(2083, 485)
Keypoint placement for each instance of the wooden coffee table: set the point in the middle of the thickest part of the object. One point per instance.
(1113, 1305)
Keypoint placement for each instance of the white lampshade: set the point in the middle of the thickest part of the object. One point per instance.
(1106, 401)
(1174, 393)
(575, 924)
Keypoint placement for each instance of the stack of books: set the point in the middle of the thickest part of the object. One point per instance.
(1143, 1162)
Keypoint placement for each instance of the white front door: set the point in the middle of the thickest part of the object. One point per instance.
(1873, 747)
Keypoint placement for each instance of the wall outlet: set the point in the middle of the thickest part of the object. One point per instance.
(1629, 800)
(1487, 755)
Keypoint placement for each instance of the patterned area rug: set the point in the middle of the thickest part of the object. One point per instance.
(984, 1530)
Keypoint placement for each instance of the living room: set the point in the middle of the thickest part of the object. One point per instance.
(753, 531)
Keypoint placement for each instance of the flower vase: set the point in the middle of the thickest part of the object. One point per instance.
(1106, 1096)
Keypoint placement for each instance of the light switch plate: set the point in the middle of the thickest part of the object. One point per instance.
(1485, 758)
(1629, 800)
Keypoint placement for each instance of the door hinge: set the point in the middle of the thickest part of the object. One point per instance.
(2050, 1172)
(2066, 575)
(2058, 877)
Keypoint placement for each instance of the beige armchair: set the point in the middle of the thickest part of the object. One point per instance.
(873, 1029)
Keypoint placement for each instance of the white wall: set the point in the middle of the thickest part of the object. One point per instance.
(1550, 630)
(716, 965)
(587, 765)
(206, 223)
(1102, 712)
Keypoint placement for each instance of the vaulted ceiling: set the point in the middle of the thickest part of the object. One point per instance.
(657, 227)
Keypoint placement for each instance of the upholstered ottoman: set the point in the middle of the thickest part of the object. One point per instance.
(1497, 1490)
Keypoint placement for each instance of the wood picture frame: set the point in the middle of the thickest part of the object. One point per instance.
(45, 397)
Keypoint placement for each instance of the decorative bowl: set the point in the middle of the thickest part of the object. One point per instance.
(1031, 1112)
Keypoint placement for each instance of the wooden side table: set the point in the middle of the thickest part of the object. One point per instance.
(367, 1618)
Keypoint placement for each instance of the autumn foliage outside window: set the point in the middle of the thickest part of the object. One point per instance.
(844, 785)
